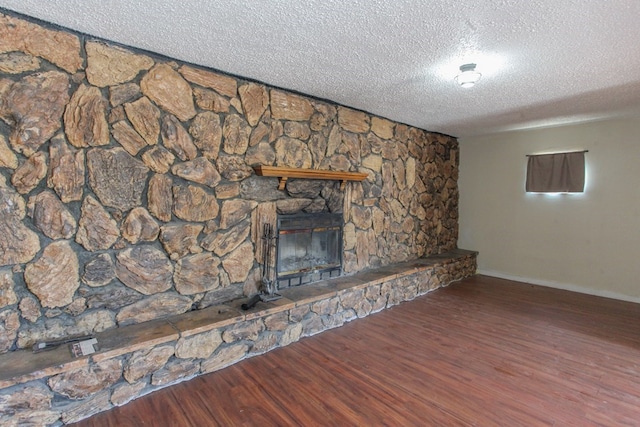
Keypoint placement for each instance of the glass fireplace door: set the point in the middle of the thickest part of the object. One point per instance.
(309, 248)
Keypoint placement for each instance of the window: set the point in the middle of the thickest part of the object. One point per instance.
(556, 173)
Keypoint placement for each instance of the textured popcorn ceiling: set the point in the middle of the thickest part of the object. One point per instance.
(544, 62)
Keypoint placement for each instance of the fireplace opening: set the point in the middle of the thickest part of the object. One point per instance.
(309, 248)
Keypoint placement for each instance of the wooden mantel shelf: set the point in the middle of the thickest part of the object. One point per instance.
(285, 173)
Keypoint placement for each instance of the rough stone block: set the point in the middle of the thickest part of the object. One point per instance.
(199, 346)
(84, 382)
(175, 371)
(111, 65)
(145, 362)
(224, 357)
(243, 331)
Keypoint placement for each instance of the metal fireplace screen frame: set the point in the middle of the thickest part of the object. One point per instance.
(309, 248)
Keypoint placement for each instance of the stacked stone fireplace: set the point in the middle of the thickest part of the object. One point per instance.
(128, 196)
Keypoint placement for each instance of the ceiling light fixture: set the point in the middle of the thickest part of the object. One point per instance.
(468, 75)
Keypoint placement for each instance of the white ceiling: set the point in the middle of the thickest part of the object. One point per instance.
(544, 62)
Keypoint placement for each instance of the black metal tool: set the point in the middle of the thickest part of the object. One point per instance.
(50, 345)
(251, 302)
(269, 286)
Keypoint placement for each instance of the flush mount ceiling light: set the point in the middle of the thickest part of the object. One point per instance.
(468, 75)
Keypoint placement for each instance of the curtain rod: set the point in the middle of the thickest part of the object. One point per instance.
(558, 152)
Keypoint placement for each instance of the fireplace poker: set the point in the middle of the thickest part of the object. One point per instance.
(269, 287)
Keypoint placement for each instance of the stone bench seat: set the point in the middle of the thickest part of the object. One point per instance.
(24, 366)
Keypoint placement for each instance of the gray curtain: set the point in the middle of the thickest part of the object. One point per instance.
(556, 173)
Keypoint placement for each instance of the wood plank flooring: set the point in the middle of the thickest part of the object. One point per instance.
(482, 352)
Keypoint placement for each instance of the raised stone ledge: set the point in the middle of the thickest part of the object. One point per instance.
(23, 366)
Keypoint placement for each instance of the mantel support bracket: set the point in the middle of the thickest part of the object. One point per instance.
(282, 181)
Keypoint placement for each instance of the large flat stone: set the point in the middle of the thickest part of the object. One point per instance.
(111, 65)
(33, 108)
(166, 87)
(58, 47)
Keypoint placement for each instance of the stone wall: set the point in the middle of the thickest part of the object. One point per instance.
(127, 192)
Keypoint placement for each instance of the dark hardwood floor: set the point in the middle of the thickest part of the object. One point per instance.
(482, 352)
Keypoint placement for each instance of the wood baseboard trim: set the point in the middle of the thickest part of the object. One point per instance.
(558, 285)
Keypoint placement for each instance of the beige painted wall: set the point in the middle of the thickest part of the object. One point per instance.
(588, 242)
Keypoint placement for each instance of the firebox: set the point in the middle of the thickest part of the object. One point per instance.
(309, 248)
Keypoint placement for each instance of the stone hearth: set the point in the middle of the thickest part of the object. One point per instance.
(138, 359)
